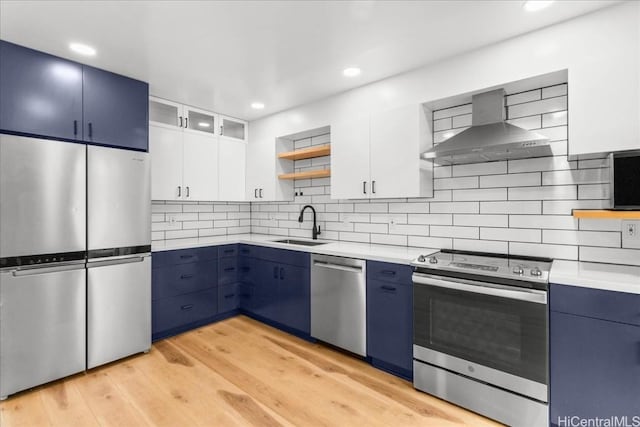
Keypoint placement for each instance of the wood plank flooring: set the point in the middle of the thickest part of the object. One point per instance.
(237, 372)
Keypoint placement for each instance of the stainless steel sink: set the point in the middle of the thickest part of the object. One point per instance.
(299, 242)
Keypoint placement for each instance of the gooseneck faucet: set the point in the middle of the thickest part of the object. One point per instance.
(315, 231)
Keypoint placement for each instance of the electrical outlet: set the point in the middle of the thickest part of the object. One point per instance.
(171, 219)
(631, 234)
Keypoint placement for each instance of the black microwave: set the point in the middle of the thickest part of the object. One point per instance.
(624, 168)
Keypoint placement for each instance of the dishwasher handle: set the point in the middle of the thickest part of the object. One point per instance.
(333, 266)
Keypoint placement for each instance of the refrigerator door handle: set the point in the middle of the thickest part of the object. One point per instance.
(45, 270)
(115, 261)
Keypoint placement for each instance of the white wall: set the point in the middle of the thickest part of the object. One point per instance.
(598, 49)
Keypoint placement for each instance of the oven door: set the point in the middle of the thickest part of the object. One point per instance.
(493, 333)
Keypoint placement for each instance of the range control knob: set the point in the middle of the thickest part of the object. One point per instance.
(433, 260)
(535, 271)
(518, 270)
(421, 258)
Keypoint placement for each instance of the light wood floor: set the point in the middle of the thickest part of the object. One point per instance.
(237, 372)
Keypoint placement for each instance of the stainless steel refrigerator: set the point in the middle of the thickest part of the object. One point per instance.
(42, 261)
(119, 254)
(75, 269)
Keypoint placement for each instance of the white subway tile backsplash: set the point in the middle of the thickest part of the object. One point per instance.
(462, 121)
(557, 90)
(481, 220)
(528, 96)
(442, 172)
(593, 191)
(551, 192)
(372, 207)
(480, 194)
(601, 224)
(410, 230)
(511, 180)
(548, 222)
(558, 118)
(529, 123)
(453, 111)
(575, 176)
(582, 238)
(610, 255)
(455, 232)
(544, 250)
(451, 183)
(516, 207)
(389, 239)
(475, 169)
(454, 207)
(371, 228)
(537, 107)
(511, 234)
(481, 246)
(541, 164)
(430, 242)
(355, 237)
(565, 207)
(558, 133)
(442, 124)
(401, 207)
(431, 219)
(180, 234)
(387, 218)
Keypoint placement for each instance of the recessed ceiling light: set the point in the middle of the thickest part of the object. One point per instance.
(257, 105)
(82, 49)
(535, 5)
(204, 124)
(351, 72)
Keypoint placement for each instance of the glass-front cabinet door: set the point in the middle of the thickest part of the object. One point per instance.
(200, 120)
(234, 129)
(165, 113)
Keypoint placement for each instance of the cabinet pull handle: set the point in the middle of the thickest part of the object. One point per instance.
(181, 121)
(186, 276)
(255, 193)
(229, 269)
(228, 251)
(186, 122)
(179, 191)
(388, 272)
(186, 256)
(75, 127)
(275, 272)
(388, 288)
(90, 130)
(281, 273)
(229, 296)
(260, 192)
(373, 187)
(221, 130)
(364, 187)
(187, 191)
(186, 307)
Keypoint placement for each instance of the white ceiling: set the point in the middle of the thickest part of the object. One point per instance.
(223, 55)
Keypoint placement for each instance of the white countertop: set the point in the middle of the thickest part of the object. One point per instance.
(384, 253)
(609, 277)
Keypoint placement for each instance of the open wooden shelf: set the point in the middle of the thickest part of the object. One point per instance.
(307, 153)
(605, 214)
(321, 173)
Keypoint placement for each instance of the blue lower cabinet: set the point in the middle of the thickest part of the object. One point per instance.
(390, 318)
(294, 297)
(227, 270)
(180, 279)
(594, 363)
(228, 297)
(265, 279)
(183, 310)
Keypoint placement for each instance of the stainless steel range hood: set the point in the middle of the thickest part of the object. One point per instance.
(489, 137)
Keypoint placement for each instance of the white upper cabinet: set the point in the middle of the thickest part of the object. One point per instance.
(378, 156)
(350, 164)
(233, 129)
(184, 152)
(261, 170)
(231, 170)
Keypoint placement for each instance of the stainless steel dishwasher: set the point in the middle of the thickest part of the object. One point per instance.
(339, 302)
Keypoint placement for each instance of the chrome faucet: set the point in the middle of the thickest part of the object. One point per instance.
(315, 231)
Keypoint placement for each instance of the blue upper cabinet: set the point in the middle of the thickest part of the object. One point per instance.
(50, 97)
(116, 110)
(40, 94)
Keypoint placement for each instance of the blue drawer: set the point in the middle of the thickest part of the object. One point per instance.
(228, 297)
(180, 279)
(248, 250)
(184, 256)
(607, 305)
(169, 313)
(227, 270)
(228, 251)
(387, 272)
(283, 256)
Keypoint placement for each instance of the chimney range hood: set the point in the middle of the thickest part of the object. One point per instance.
(489, 137)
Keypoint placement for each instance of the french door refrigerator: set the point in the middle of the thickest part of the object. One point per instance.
(42, 261)
(119, 254)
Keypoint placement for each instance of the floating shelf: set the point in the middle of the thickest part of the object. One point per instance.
(321, 173)
(307, 153)
(605, 214)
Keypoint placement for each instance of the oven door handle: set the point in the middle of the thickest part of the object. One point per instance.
(529, 295)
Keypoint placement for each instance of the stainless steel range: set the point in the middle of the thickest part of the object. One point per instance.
(481, 333)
